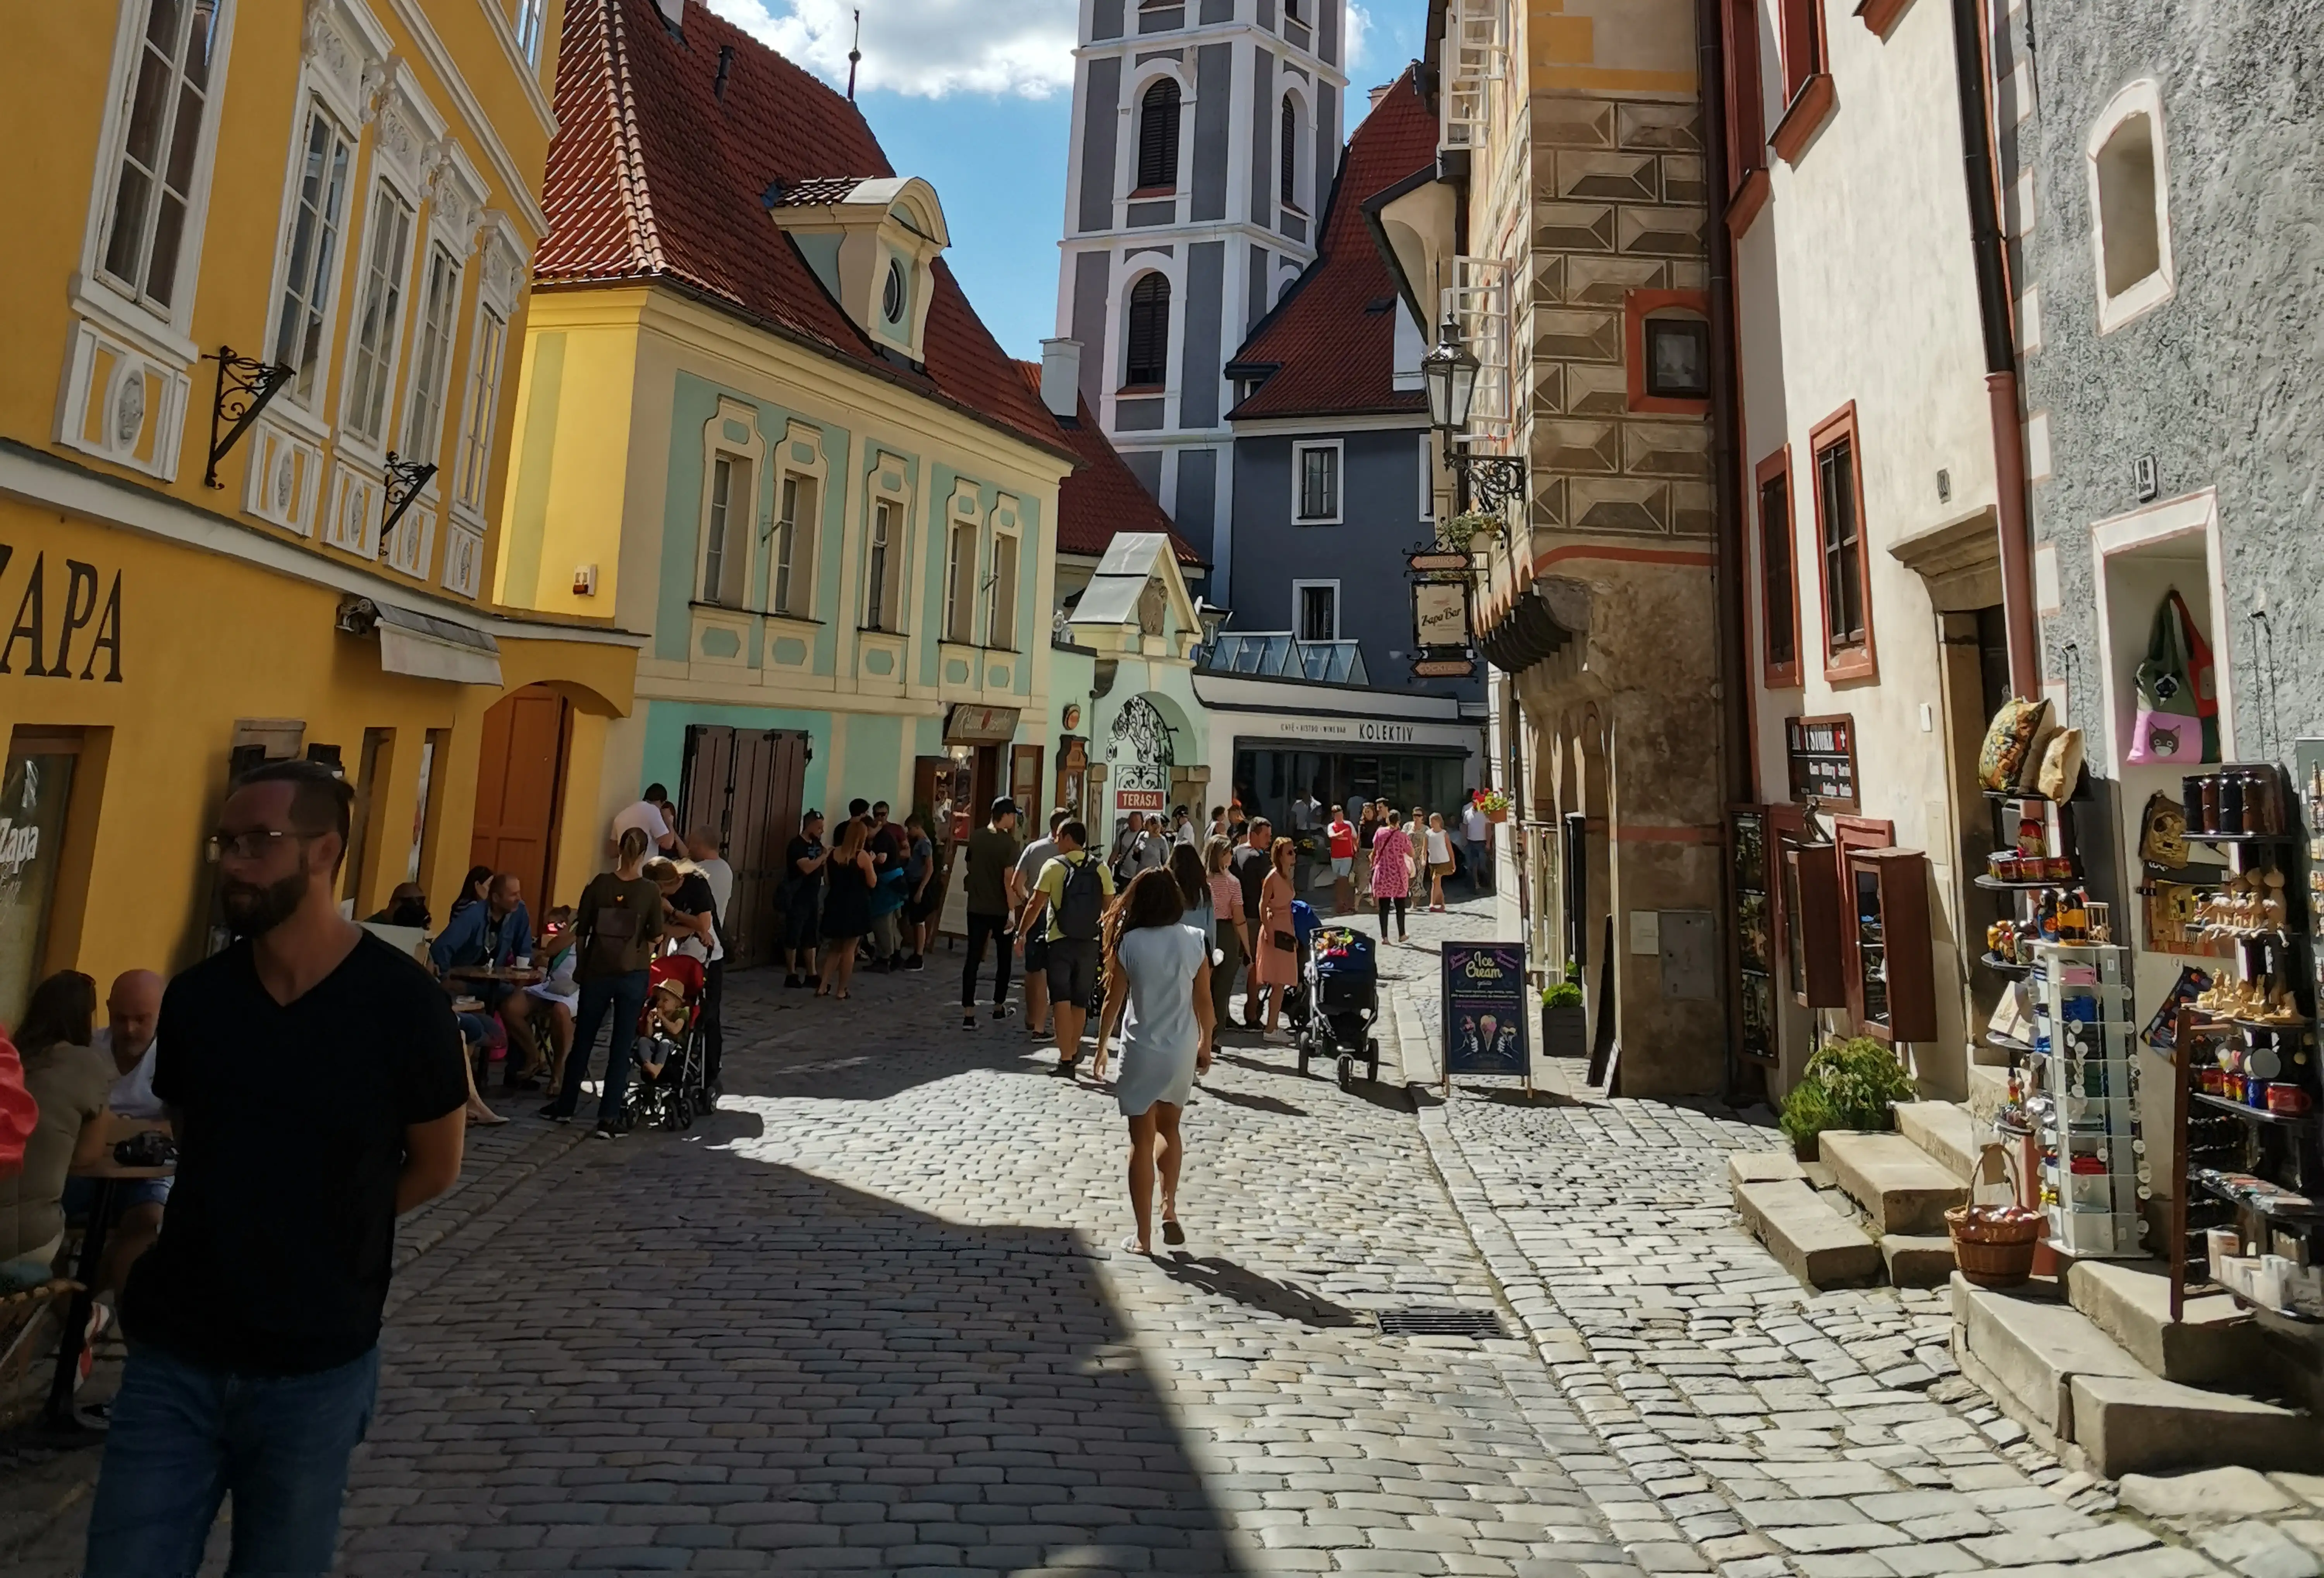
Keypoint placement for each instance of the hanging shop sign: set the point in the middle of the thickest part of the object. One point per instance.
(1486, 1012)
(971, 725)
(1823, 752)
(1444, 668)
(1428, 561)
(1140, 755)
(1440, 617)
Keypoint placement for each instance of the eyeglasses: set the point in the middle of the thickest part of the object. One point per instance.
(251, 845)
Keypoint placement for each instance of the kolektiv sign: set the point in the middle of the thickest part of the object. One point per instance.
(1485, 1009)
(61, 617)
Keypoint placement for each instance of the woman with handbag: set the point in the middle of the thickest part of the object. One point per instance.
(1278, 964)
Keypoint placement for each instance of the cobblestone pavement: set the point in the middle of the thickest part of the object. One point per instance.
(1779, 1429)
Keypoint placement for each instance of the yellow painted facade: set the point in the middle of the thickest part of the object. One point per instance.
(349, 188)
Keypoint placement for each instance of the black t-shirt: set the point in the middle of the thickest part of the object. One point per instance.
(281, 1226)
(1250, 868)
(802, 848)
(888, 841)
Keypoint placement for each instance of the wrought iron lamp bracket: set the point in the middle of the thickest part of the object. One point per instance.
(245, 386)
(405, 479)
(1496, 480)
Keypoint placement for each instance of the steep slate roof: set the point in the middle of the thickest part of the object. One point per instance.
(1105, 498)
(653, 177)
(1332, 339)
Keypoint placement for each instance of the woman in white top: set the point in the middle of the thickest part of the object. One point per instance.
(1158, 989)
(1440, 859)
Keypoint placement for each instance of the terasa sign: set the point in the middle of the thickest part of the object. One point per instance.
(45, 637)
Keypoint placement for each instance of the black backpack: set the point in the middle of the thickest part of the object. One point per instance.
(1081, 904)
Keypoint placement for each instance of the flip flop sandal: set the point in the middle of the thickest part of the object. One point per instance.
(1172, 1234)
(1130, 1246)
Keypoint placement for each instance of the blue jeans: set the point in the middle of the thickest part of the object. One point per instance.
(1480, 863)
(185, 1436)
(626, 995)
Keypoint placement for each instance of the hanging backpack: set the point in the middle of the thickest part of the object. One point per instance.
(2169, 729)
(1081, 904)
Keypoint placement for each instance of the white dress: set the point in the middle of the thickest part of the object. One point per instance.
(1159, 1033)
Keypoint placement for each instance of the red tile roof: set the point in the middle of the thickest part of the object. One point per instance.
(1332, 339)
(1105, 497)
(654, 175)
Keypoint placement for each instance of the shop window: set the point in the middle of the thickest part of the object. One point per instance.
(1157, 140)
(727, 532)
(167, 111)
(1000, 620)
(791, 589)
(960, 584)
(425, 822)
(2130, 205)
(35, 792)
(364, 832)
(1778, 573)
(882, 559)
(310, 244)
(1147, 335)
(423, 427)
(1847, 647)
(1315, 483)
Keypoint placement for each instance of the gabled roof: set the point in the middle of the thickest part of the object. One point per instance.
(655, 176)
(1105, 498)
(1329, 346)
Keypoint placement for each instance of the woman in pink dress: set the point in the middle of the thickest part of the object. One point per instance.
(1276, 966)
(1391, 872)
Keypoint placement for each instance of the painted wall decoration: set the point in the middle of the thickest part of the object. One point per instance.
(1140, 756)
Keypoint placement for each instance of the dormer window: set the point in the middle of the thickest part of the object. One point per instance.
(873, 244)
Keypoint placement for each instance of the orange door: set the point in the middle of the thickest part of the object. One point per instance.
(519, 775)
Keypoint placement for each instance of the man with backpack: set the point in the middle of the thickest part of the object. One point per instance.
(1071, 895)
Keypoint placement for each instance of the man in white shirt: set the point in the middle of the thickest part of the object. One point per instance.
(1037, 854)
(133, 1012)
(702, 848)
(1477, 840)
(647, 817)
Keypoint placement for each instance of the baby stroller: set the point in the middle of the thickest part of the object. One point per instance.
(669, 1034)
(1298, 999)
(1341, 989)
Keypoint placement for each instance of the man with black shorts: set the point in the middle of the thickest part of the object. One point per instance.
(1070, 897)
(802, 900)
(253, 1321)
(1037, 854)
(1252, 862)
(992, 895)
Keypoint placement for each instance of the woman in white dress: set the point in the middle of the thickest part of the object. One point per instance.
(1158, 989)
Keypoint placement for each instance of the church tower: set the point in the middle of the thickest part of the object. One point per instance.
(1207, 136)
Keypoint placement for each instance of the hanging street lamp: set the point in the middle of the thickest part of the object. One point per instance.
(1449, 372)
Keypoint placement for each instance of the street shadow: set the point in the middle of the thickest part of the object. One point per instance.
(1514, 1095)
(1265, 1104)
(1226, 1280)
(701, 1348)
(1383, 1094)
(1261, 1065)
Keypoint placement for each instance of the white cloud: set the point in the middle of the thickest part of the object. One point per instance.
(930, 47)
(1359, 33)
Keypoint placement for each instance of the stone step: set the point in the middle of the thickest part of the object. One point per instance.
(1917, 1260)
(2051, 1366)
(2214, 1343)
(1750, 1166)
(2140, 1424)
(1944, 1133)
(1896, 1183)
(1813, 1241)
(1988, 1089)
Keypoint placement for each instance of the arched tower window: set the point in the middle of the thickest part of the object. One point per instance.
(1290, 153)
(1147, 346)
(1157, 137)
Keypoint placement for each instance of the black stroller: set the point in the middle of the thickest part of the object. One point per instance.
(1337, 1001)
(669, 1032)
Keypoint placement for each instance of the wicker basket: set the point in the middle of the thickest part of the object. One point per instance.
(1993, 1253)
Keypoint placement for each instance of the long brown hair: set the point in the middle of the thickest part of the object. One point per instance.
(1276, 853)
(1186, 870)
(62, 1008)
(852, 836)
(1151, 899)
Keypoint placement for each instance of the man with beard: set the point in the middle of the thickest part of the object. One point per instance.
(253, 1321)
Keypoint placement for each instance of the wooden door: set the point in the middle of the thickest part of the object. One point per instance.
(746, 786)
(519, 780)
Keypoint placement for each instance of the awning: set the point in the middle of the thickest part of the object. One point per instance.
(423, 645)
(968, 724)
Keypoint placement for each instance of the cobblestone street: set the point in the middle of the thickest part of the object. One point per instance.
(873, 1318)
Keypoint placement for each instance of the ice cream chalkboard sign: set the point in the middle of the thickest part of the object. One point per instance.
(1486, 1021)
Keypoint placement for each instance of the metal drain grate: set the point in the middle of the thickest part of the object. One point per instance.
(1441, 1323)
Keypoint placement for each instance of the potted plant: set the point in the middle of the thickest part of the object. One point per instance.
(1564, 1024)
(1493, 802)
(1461, 530)
(1853, 1083)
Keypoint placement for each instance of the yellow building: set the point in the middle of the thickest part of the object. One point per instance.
(267, 269)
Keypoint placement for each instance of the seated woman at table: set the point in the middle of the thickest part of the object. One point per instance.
(557, 994)
(71, 1080)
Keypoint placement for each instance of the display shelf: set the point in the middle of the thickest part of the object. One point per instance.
(2267, 1026)
(2257, 1114)
(1994, 884)
(2246, 1302)
(2004, 966)
(2309, 1213)
(2014, 796)
(2195, 838)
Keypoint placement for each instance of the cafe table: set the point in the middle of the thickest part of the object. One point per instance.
(109, 1176)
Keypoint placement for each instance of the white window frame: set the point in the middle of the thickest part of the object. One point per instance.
(480, 410)
(531, 27)
(885, 562)
(735, 520)
(317, 293)
(1002, 625)
(388, 203)
(2140, 98)
(126, 308)
(1299, 590)
(963, 549)
(1300, 450)
(1303, 159)
(423, 436)
(797, 532)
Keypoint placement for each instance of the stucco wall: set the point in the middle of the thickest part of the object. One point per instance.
(2219, 382)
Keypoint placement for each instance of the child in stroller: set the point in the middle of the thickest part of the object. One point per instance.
(671, 1083)
(1339, 992)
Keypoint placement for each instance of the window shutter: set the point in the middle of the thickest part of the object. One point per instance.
(1157, 136)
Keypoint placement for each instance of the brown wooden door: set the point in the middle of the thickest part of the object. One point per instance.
(746, 784)
(519, 779)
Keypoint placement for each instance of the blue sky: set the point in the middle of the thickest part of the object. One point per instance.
(976, 96)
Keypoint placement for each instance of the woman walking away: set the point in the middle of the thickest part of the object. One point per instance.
(1277, 965)
(846, 909)
(618, 928)
(1158, 989)
(1185, 869)
(1440, 860)
(1391, 873)
(1367, 825)
(1227, 927)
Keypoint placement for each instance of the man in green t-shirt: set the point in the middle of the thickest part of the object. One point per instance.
(1069, 899)
(991, 890)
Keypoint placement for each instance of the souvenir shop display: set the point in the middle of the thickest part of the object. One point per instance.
(2032, 771)
(2082, 1101)
(2248, 1130)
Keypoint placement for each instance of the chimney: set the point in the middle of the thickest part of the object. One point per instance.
(673, 13)
(1381, 92)
(1061, 377)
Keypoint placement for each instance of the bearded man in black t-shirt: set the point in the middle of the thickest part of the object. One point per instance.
(254, 1322)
